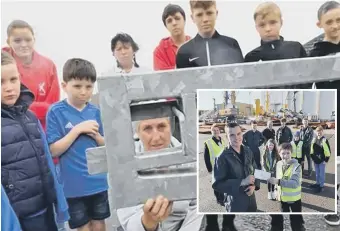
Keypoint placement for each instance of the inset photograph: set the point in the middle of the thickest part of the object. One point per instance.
(267, 151)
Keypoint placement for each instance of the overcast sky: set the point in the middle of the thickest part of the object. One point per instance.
(84, 29)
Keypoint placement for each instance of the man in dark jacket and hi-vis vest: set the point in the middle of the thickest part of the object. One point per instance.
(234, 173)
(320, 153)
(306, 136)
(213, 147)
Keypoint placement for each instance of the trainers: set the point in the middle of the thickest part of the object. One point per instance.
(315, 186)
(319, 190)
(332, 220)
(273, 195)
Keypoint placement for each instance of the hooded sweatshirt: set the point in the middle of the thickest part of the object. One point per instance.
(40, 77)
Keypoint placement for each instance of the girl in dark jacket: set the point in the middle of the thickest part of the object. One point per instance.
(270, 158)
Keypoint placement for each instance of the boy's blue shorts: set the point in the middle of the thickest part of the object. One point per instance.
(84, 209)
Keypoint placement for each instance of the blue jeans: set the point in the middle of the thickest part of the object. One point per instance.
(61, 227)
(320, 173)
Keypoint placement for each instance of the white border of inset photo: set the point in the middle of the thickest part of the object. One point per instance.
(334, 153)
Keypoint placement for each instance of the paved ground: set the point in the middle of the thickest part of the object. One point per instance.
(311, 202)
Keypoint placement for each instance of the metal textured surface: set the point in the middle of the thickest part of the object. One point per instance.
(128, 188)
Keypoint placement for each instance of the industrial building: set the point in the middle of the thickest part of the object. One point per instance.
(319, 104)
(316, 104)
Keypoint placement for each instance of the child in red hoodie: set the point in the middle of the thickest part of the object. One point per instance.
(37, 72)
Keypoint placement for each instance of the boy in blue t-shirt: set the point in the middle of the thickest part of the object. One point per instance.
(74, 125)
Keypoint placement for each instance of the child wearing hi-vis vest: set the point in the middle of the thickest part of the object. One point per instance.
(289, 178)
(320, 153)
(297, 148)
(270, 158)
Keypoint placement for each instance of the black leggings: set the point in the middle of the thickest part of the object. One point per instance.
(271, 187)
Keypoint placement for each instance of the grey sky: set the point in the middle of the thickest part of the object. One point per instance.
(84, 29)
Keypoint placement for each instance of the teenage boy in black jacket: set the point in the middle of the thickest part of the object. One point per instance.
(328, 20)
(268, 23)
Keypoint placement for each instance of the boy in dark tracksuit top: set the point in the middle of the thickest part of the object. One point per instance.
(27, 170)
(209, 48)
(268, 23)
(328, 20)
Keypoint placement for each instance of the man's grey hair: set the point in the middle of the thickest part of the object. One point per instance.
(135, 127)
(327, 6)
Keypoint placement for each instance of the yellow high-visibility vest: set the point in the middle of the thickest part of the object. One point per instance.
(326, 150)
(290, 194)
(297, 149)
(214, 149)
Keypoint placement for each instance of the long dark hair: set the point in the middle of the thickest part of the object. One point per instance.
(125, 38)
(275, 149)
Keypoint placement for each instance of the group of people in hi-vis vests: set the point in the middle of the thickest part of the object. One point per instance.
(284, 159)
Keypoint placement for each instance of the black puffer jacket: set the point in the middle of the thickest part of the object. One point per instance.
(25, 174)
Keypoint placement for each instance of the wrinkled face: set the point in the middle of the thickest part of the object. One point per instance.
(235, 136)
(286, 155)
(268, 27)
(78, 91)
(270, 124)
(270, 146)
(175, 24)
(305, 123)
(205, 19)
(155, 134)
(216, 132)
(10, 84)
(254, 126)
(123, 52)
(319, 133)
(330, 22)
(21, 41)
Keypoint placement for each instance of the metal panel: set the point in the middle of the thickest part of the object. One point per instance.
(128, 186)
